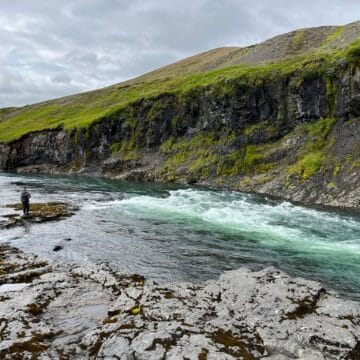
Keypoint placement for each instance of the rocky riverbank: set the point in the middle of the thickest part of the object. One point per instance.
(58, 311)
(40, 212)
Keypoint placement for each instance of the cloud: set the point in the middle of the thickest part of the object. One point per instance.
(51, 49)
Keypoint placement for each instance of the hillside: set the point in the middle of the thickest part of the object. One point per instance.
(285, 53)
(281, 118)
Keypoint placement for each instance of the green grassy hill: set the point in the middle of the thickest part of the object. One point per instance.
(308, 50)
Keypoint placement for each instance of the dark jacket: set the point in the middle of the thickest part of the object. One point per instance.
(25, 197)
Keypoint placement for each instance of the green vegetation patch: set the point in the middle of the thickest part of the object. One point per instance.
(333, 37)
(197, 153)
(127, 150)
(352, 52)
(210, 155)
(312, 155)
(262, 128)
(308, 165)
(6, 111)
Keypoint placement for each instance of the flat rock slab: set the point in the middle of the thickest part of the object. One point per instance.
(72, 312)
(39, 212)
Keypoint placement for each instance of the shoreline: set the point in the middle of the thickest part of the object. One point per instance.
(344, 208)
(84, 312)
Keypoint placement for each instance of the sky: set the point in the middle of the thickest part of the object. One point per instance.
(50, 49)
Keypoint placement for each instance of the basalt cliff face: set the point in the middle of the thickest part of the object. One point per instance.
(289, 129)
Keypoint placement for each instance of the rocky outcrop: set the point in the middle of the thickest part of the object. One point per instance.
(53, 147)
(258, 141)
(39, 212)
(65, 311)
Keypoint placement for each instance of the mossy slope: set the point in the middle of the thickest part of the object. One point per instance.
(302, 50)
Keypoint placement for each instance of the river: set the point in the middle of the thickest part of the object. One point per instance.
(172, 233)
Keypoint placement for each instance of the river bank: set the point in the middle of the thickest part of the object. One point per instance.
(56, 310)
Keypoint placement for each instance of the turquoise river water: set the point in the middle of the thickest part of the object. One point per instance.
(170, 233)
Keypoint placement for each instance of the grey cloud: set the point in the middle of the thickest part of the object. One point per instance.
(50, 49)
(82, 57)
(61, 78)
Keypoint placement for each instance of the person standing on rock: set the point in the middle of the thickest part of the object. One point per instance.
(25, 200)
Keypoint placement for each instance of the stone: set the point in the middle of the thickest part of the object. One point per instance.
(57, 248)
(39, 212)
(67, 311)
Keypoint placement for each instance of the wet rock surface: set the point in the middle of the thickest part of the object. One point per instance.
(57, 311)
(39, 212)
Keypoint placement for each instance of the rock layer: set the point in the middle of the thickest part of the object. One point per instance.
(64, 311)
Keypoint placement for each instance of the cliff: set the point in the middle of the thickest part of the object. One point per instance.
(280, 118)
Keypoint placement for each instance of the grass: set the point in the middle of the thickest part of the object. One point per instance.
(308, 165)
(312, 155)
(126, 150)
(203, 156)
(333, 37)
(6, 111)
(82, 110)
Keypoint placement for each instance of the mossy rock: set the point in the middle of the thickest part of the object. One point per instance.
(40, 212)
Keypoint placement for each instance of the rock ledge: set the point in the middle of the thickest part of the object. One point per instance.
(71, 312)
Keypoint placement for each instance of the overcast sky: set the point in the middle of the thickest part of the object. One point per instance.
(54, 48)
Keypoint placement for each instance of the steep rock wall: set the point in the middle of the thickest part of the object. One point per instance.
(267, 137)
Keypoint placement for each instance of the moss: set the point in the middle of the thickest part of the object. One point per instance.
(264, 127)
(42, 212)
(254, 155)
(244, 183)
(32, 346)
(203, 156)
(135, 310)
(126, 150)
(352, 52)
(337, 169)
(168, 145)
(263, 179)
(331, 186)
(320, 128)
(298, 40)
(167, 174)
(308, 165)
(199, 153)
(34, 309)
(349, 158)
(235, 346)
(230, 164)
(257, 180)
(331, 91)
(156, 110)
(333, 36)
(304, 306)
(203, 354)
(312, 153)
(201, 165)
(116, 147)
